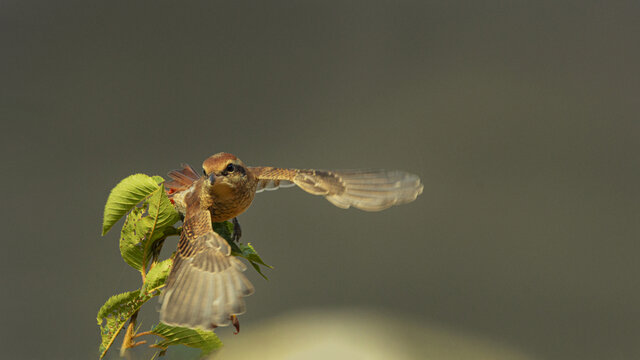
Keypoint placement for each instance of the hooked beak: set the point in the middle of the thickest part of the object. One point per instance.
(212, 178)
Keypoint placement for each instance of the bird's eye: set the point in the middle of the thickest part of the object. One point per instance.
(230, 168)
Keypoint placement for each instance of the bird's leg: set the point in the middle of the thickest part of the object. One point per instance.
(237, 231)
(236, 324)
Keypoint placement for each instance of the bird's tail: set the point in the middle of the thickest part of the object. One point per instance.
(180, 179)
(206, 289)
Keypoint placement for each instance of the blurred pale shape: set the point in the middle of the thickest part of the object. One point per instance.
(357, 334)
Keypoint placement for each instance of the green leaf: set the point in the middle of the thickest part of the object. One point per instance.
(206, 341)
(131, 248)
(170, 230)
(116, 311)
(224, 229)
(141, 231)
(157, 276)
(125, 196)
(161, 209)
(249, 253)
(161, 215)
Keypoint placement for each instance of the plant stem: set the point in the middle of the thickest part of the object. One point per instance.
(142, 334)
(127, 342)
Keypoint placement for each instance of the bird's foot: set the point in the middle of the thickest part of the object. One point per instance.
(237, 231)
(236, 324)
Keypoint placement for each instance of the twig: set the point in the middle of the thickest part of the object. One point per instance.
(127, 342)
(142, 334)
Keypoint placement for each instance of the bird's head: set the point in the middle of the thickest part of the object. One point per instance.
(225, 173)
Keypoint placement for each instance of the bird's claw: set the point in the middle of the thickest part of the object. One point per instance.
(237, 231)
(236, 324)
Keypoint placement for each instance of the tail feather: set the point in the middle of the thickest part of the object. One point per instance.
(181, 179)
(206, 292)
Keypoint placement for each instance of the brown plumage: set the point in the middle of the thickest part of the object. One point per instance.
(206, 285)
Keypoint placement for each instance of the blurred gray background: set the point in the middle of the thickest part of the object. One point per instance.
(520, 117)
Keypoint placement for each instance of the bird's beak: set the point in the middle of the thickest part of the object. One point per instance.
(212, 178)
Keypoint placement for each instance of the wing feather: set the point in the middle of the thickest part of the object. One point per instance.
(366, 189)
(206, 284)
(270, 184)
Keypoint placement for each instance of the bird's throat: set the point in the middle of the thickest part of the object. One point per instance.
(228, 202)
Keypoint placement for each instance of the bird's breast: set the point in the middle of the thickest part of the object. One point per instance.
(229, 203)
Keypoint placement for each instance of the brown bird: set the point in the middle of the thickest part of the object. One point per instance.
(206, 285)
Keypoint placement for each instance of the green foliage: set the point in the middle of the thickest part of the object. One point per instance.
(157, 276)
(145, 225)
(249, 253)
(127, 194)
(150, 220)
(225, 229)
(206, 341)
(130, 241)
(116, 311)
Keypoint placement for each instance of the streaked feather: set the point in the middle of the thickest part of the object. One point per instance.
(271, 184)
(206, 284)
(366, 189)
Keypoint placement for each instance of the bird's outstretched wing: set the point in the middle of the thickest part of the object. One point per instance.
(206, 284)
(370, 190)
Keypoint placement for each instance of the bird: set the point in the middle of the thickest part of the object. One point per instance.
(206, 285)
